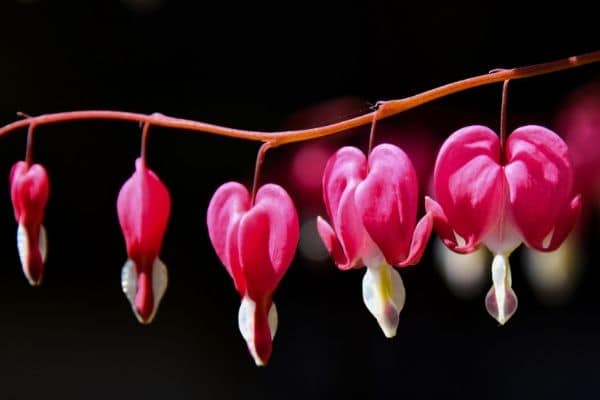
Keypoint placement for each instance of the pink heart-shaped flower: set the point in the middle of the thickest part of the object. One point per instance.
(256, 243)
(29, 190)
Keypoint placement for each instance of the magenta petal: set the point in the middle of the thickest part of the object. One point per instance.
(469, 184)
(29, 189)
(268, 236)
(445, 231)
(419, 240)
(143, 207)
(226, 208)
(540, 181)
(350, 230)
(386, 201)
(561, 230)
(331, 242)
(346, 168)
(343, 172)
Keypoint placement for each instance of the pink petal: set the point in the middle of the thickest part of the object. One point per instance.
(350, 230)
(386, 201)
(344, 170)
(143, 207)
(419, 241)
(268, 237)
(226, 208)
(332, 244)
(29, 189)
(445, 231)
(540, 182)
(347, 167)
(469, 185)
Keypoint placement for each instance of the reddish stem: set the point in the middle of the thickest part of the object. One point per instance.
(372, 132)
(144, 144)
(260, 157)
(29, 146)
(503, 117)
(388, 108)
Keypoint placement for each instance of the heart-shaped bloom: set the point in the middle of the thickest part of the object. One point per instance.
(372, 205)
(501, 198)
(143, 207)
(256, 244)
(29, 189)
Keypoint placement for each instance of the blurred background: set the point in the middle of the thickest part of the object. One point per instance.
(273, 67)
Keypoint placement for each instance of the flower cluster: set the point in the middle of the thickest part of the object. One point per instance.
(486, 193)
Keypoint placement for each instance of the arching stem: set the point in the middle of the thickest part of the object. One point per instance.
(275, 139)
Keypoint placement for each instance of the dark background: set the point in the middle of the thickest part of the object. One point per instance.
(254, 66)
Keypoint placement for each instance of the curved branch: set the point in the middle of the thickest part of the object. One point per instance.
(386, 108)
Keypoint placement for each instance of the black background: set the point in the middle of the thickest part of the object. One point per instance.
(253, 66)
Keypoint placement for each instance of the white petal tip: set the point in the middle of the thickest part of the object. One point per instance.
(389, 333)
(246, 323)
(258, 361)
(32, 282)
(129, 281)
(384, 296)
(23, 248)
(501, 301)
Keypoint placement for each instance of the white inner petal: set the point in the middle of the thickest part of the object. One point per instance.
(384, 295)
(160, 280)
(23, 247)
(129, 283)
(246, 325)
(501, 301)
(246, 318)
(499, 275)
(246, 322)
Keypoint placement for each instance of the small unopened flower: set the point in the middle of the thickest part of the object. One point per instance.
(29, 188)
(372, 205)
(256, 243)
(143, 207)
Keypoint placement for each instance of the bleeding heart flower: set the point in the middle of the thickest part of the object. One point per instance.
(373, 208)
(500, 199)
(29, 189)
(256, 244)
(144, 206)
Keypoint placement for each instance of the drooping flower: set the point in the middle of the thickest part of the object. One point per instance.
(143, 207)
(502, 198)
(29, 188)
(256, 244)
(372, 205)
